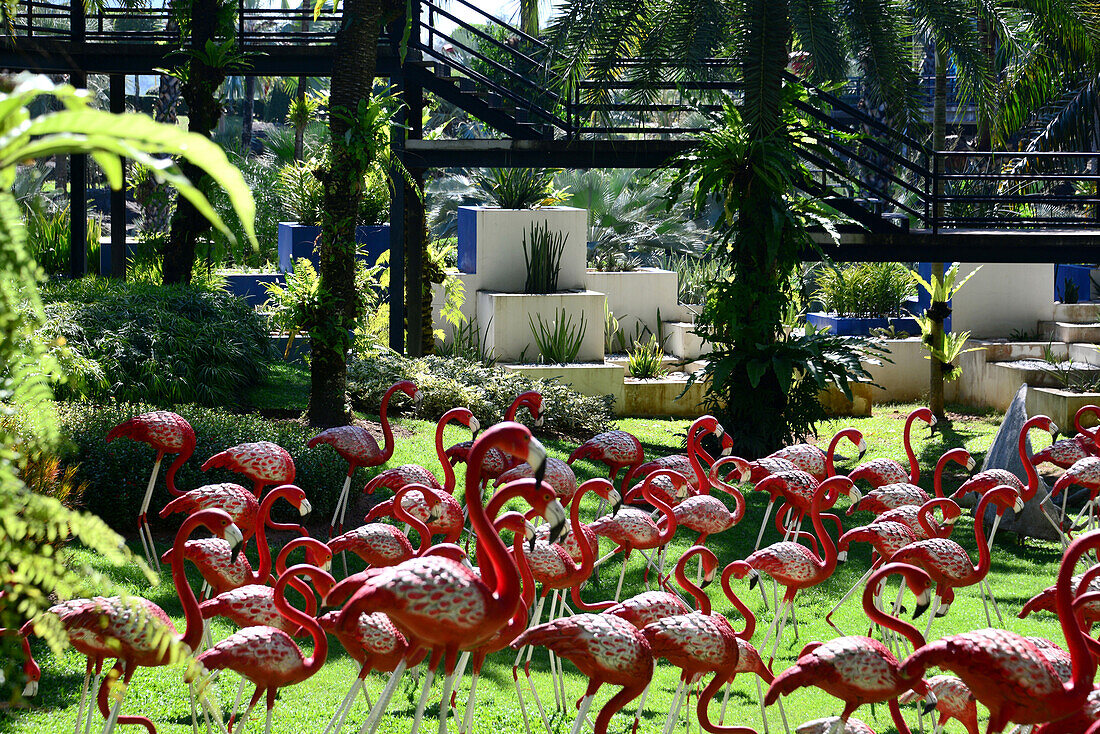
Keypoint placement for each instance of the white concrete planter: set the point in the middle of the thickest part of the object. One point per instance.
(637, 297)
(587, 379)
(1060, 405)
(490, 244)
(662, 397)
(505, 322)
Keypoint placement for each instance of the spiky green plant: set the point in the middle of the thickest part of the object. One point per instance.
(558, 342)
(542, 252)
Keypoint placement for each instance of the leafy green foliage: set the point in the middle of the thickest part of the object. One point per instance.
(36, 565)
(487, 391)
(694, 275)
(542, 251)
(950, 345)
(558, 342)
(517, 188)
(165, 345)
(865, 289)
(644, 360)
(261, 175)
(301, 191)
(466, 342)
(1070, 292)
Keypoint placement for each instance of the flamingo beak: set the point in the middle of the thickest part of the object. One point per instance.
(708, 577)
(970, 464)
(475, 425)
(1054, 431)
(1018, 505)
(305, 508)
(536, 457)
(754, 577)
(529, 535)
(327, 565)
(555, 516)
(540, 419)
(842, 556)
(435, 512)
(235, 538)
(31, 689)
(417, 397)
(862, 447)
(924, 600)
(616, 501)
(854, 495)
(932, 426)
(929, 704)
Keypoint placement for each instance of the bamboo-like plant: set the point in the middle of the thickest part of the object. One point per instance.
(559, 342)
(542, 251)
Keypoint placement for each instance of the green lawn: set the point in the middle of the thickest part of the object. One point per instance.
(1018, 572)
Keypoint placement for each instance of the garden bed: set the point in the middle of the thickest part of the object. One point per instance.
(854, 326)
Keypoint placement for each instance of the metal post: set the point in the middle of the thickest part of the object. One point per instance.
(78, 200)
(397, 239)
(76, 22)
(118, 197)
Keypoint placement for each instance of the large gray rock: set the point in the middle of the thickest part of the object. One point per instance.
(1004, 454)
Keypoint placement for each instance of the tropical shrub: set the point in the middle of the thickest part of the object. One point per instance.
(542, 251)
(488, 391)
(865, 289)
(114, 475)
(161, 344)
(261, 175)
(301, 192)
(559, 341)
(517, 188)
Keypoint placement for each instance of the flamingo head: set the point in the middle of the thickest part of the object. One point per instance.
(740, 465)
(1043, 422)
(932, 423)
(604, 488)
(295, 496)
(1004, 498)
(710, 567)
(321, 557)
(833, 486)
(474, 425)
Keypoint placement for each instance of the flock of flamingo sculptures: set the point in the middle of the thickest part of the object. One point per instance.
(434, 605)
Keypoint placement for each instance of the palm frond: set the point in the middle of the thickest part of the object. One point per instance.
(877, 29)
(817, 27)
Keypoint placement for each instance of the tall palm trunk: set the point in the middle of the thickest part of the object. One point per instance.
(353, 69)
(247, 112)
(300, 130)
(939, 142)
(529, 17)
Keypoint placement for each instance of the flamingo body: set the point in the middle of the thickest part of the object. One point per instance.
(705, 514)
(559, 475)
(890, 497)
(250, 605)
(375, 642)
(953, 701)
(449, 522)
(378, 544)
(397, 477)
(617, 449)
(213, 558)
(354, 444)
(267, 656)
(648, 607)
(236, 501)
(263, 462)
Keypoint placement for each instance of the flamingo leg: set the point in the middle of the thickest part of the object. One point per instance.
(379, 709)
(116, 709)
(674, 710)
(529, 651)
(471, 702)
(993, 530)
(932, 615)
(337, 721)
(143, 522)
(622, 575)
(764, 524)
(83, 696)
(91, 707)
(582, 713)
(445, 703)
(522, 702)
(429, 678)
(559, 702)
(993, 601)
(726, 701)
(788, 608)
(339, 513)
(782, 712)
(857, 586)
(641, 701)
(267, 726)
(237, 700)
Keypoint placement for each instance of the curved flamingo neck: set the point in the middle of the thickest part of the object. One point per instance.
(515, 522)
(1093, 433)
(387, 431)
(937, 477)
(830, 455)
(320, 640)
(578, 573)
(192, 633)
(415, 523)
(263, 521)
(181, 458)
(827, 562)
(666, 509)
(883, 619)
(1084, 665)
(914, 465)
(702, 601)
(750, 618)
(449, 480)
(702, 709)
(694, 449)
(738, 498)
(497, 569)
(310, 544)
(984, 558)
(530, 400)
(1029, 468)
(926, 521)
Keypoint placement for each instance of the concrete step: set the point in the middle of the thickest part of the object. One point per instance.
(681, 341)
(1077, 313)
(1041, 374)
(1077, 333)
(1006, 351)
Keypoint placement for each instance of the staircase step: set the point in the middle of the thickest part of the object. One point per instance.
(898, 219)
(466, 84)
(681, 340)
(1077, 313)
(1075, 333)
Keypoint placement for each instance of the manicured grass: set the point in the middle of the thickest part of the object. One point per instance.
(1018, 573)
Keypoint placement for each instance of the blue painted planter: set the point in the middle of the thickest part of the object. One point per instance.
(1079, 274)
(296, 241)
(844, 326)
(251, 286)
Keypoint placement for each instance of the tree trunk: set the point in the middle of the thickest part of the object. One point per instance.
(529, 17)
(247, 111)
(338, 308)
(939, 142)
(416, 246)
(300, 132)
(203, 111)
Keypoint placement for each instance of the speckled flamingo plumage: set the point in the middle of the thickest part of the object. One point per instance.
(604, 648)
(921, 520)
(706, 515)
(378, 544)
(761, 468)
(630, 528)
(1007, 673)
(618, 449)
(986, 480)
(1082, 583)
(239, 503)
(887, 471)
(397, 477)
(354, 444)
(263, 462)
(815, 461)
(679, 463)
(885, 537)
(649, 606)
(828, 725)
(953, 701)
(1084, 472)
(449, 522)
(166, 432)
(374, 642)
(890, 497)
(1065, 452)
(212, 558)
(559, 475)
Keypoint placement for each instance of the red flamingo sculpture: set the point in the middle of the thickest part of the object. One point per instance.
(1082, 583)
(497, 462)
(444, 605)
(136, 629)
(986, 480)
(698, 643)
(606, 649)
(632, 529)
(949, 564)
(785, 484)
(821, 464)
(618, 449)
(860, 670)
(920, 519)
(690, 464)
(1006, 673)
(241, 505)
(379, 544)
(254, 604)
(761, 468)
(399, 476)
(892, 496)
(223, 569)
(559, 475)
(792, 565)
(1065, 452)
(1084, 472)
(263, 462)
(359, 448)
(887, 471)
(833, 725)
(268, 656)
(167, 433)
(748, 660)
(953, 701)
